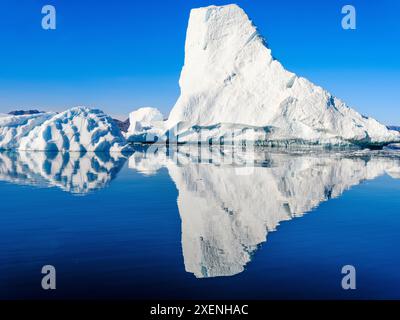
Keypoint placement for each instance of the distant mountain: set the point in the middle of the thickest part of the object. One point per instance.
(24, 112)
(122, 125)
(394, 128)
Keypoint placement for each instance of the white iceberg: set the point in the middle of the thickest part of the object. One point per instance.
(146, 125)
(78, 129)
(233, 89)
(14, 128)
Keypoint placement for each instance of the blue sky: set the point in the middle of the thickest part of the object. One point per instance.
(119, 55)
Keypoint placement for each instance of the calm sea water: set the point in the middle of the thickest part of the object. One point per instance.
(200, 224)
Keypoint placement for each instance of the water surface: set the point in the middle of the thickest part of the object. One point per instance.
(200, 223)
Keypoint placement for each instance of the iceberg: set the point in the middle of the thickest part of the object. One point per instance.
(146, 125)
(79, 129)
(14, 128)
(233, 89)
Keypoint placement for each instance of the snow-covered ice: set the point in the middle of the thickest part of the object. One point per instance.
(146, 125)
(14, 128)
(144, 117)
(77, 129)
(233, 89)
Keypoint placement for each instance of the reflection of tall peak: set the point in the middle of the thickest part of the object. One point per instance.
(227, 212)
(72, 172)
(226, 215)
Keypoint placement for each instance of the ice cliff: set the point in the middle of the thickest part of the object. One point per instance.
(77, 129)
(232, 89)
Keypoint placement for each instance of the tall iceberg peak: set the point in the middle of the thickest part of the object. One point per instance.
(231, 80)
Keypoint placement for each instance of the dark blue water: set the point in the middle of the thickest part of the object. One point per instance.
(123, 239)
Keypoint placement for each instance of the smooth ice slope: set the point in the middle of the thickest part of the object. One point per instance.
(231, 84)
(77, 129)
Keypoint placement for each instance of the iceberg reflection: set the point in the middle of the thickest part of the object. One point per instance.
(76, 173)
(230, 199)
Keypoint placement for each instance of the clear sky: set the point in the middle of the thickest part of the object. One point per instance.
(120, 55)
